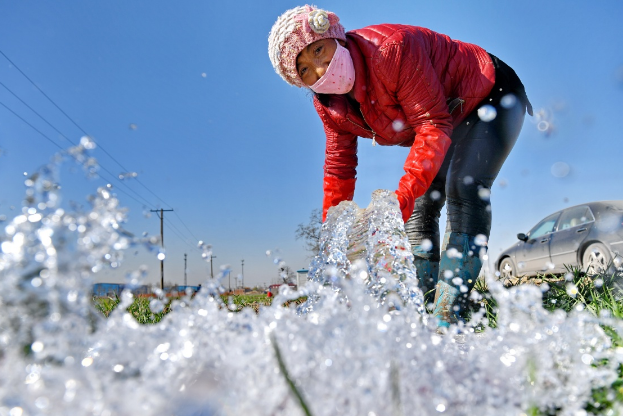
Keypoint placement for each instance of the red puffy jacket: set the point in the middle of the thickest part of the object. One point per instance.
(413, 87)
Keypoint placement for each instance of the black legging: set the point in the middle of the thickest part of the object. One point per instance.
(473, 161)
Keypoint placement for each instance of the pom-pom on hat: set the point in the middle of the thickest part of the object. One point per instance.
(293, 31)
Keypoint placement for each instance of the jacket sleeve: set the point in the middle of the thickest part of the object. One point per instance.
(404, 65)
(340, 167)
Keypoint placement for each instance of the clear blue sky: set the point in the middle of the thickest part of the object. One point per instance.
(238, 153)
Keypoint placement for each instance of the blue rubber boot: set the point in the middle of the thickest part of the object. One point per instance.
(427, 273)
(427, 266)
(445, 298)
(459, 267)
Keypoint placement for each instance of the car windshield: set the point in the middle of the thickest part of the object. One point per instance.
(544, 227)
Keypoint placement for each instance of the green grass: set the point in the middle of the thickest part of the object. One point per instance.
(141, 311)
(574, 290)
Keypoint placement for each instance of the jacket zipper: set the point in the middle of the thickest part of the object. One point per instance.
(453, 104)
(363, 128)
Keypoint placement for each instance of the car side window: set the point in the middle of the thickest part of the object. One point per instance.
(544, 227)
(574, 217)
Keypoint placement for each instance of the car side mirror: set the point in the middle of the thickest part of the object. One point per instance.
(522, 237)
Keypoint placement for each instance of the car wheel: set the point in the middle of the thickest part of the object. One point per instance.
(596, 259)
(507, 270)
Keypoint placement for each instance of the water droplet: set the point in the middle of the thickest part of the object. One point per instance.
(128, 175)
(543, 126)
(560, 169)
(587, 359)
(16, 411)
(426, 245)
(608, 223)
(87, 143)
(398, 125)
(156, 305)
(42, 402)
(484, 194)
(487, 113)
(572, 290)
(435, 195)
(508, 101)
(481, 240)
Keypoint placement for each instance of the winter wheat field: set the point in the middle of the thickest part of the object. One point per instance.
(360, 345)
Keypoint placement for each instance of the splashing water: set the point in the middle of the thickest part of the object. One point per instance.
(128, 175)
(360, 345)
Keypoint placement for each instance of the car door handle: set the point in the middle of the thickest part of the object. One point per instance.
(545, 240)
(581, 230)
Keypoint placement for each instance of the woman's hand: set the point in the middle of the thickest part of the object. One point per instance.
(406, 206)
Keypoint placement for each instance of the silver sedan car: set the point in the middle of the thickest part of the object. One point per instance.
(589, 236)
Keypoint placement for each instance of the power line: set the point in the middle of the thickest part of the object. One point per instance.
(145, 201)
(184, 224)
(33, 127)
(40, 116)
(80, 128)
(73, 143)
(41, 91)
(62, 148)
(85, 133)
(177, 232)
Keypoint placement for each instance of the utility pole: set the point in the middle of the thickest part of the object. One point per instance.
(212, 268)
(243, 274)
(185, 282)
(161, 216)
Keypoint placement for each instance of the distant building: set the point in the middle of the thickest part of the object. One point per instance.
(274, 289)
(114, 289)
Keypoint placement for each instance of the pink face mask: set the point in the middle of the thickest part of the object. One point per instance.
(340, 75)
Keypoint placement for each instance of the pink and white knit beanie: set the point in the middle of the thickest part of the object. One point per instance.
(293, 31)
